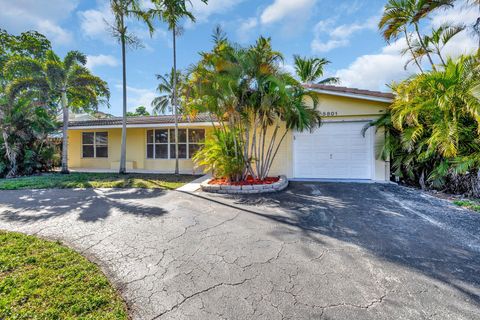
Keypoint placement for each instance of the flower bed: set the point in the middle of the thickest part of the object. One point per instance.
(249, 186)
(248, 182)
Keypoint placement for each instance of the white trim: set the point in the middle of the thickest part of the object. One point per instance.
(352, 95)
(148, 125)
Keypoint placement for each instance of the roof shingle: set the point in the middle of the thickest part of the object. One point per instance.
(371, 93)
(164, 119)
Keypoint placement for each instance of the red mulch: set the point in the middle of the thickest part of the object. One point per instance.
(247, 182)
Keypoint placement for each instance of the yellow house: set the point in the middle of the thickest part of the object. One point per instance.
(336, 150)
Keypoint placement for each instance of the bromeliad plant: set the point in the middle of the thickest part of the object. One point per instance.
(255, 103)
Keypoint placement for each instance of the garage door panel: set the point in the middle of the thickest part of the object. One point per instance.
(335, 150)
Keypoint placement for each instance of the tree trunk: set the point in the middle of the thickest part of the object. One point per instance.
(439, 53)
(421, 181)
(123, 152)
(424, 47)
(411, 50)
(11, 156)
(175, 102)
(65, 132)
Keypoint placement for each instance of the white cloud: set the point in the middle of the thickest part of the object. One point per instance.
(202, 11)
(101, 60)
(138, 97)
(464, 42)
(281, 9)
(375, 71)
(338, 36)
(93, 22)
(55, 32)
(245, 30)
(22, 15)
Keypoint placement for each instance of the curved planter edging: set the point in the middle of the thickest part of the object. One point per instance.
(248, 189)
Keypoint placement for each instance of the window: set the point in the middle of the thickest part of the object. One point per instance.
(95, 144)
(161, 143)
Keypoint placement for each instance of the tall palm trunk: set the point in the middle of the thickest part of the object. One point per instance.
(420, 40)
(64, 102)
(123, 153)
(175, 102)
(476, 28)
(11, 156)
(407, 38)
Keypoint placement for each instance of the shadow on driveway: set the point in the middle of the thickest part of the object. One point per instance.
(93, 204)
(401, 225)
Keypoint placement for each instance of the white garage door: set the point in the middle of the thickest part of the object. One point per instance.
(336, 150)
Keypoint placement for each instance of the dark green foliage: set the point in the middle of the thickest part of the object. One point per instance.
(140, 111)
(220, 156)
(26, 130)
(26, 121)
(433, 128)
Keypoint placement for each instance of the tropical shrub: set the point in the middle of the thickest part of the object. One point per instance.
(221, 156)
(434, 128)
(66, 83)
(25, 123)
(255, 102)
(24, 145)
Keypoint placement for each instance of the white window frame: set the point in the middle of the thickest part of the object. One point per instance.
(169, 143)
(94, 145)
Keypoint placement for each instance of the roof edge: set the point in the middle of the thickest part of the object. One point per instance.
(352, 92)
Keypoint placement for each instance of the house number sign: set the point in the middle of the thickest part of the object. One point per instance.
(329, 113)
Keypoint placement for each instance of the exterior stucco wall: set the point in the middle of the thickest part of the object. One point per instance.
(136, 152)
(343, 109)
(333, 108)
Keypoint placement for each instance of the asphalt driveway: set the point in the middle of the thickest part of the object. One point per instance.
(314, 251)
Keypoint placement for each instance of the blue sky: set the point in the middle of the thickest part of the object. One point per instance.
(343, 31)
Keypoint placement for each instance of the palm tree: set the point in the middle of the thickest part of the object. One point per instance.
(435, 42)
(399, 15)
(171, 11)
(164, 102)
(476, 25)
(434, 123)
(66, 82)
(310, 70)
(440, 37)
(394, 22)
(123, 9)
(255, 102)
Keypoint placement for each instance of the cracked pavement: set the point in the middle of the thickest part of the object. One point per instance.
(314, 251)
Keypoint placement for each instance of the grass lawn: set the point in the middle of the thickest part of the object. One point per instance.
(473, 205)
(44, 280)
(97, 180)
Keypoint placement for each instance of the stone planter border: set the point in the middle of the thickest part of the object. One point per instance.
(248, 189)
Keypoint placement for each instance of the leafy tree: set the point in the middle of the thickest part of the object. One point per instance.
(255, 102)
(435, 42)
(310, 70)
(476, 25)
(402, 17)
(65, 82)
(33, 45)
(122, 10)
(25, 130)
(434, 124)
(139, 111)
(171, 12)
(164, 102)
